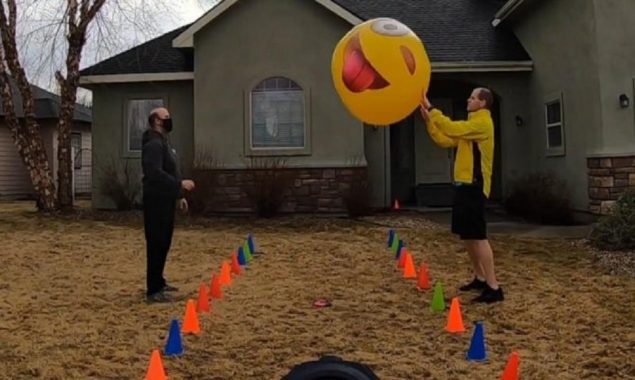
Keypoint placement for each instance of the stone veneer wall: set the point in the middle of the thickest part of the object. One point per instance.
(311, 190)
(609, 178)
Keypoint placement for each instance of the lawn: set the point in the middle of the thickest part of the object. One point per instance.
(72, 304)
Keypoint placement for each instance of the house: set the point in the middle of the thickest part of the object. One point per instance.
(14, 178)
(562, 87)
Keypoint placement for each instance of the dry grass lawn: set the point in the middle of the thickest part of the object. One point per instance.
(72, 303)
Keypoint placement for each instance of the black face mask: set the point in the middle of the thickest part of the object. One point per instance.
(167, 124)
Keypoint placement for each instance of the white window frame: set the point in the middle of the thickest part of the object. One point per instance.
(250, 150)
(559, 150)
(126, 151)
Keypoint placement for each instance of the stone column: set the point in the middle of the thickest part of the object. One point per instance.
(609, 178)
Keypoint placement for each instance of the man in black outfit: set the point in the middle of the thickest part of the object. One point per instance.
(162, 191)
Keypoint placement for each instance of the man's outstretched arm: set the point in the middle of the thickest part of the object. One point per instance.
(464, 129)
(439, 137)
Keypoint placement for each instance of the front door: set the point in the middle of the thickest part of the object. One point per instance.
(402, 160)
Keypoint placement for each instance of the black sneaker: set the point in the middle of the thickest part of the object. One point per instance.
(490, 295)
(170, 288)
(476, 284)
(158, 297)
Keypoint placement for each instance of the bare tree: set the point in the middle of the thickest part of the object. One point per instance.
(78, 17)
(72, 19)
(26, 134)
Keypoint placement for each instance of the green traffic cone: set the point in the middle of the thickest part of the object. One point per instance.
(438, 302)
(395, 243)
(247, 251)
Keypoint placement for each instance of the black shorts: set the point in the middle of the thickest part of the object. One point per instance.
(468, 213)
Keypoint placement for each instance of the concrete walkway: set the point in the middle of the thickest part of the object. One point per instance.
(497, 223)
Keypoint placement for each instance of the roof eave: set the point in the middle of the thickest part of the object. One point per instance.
(484, 66)
(506, 10)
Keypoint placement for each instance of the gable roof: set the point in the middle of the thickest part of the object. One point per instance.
(186, 39)
(455, 32)
(47, 105)
(154, 56)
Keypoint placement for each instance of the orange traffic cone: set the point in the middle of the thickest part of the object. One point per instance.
(423, 282)
(225, 274)
(409, 268)
(235, 264)
(396, 205)
(455, 320)
(402, 258)
(215, 289)
(203, 300)
(190, 322)
(155, 368)
(511, 369)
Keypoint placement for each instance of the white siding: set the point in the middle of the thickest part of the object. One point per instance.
(14, 179)
(83, 182)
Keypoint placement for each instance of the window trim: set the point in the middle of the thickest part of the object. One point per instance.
(125, 140)
(558, 151)
(75, 165)
(250, 151)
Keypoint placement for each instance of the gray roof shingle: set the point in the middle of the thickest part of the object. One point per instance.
(452, 31)
(154, 56)
(47, 104)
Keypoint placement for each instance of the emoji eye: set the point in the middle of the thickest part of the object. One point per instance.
(389, 27)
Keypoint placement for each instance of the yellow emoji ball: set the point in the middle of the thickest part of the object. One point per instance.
(380, 70)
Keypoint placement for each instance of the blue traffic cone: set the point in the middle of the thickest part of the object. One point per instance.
(242, 260)
(250, 242)
(400, 246)
(173, 346)
(477, 351)
(391, 236)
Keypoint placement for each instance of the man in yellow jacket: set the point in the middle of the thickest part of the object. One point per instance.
(474, 140)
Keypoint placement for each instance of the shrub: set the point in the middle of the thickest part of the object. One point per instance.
(267, 182)
(204, 200)
(357, 198)
(540, 198)
(120, 184)
(616, 231)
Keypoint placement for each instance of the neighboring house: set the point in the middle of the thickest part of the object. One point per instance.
(228, 75)
(14, 179)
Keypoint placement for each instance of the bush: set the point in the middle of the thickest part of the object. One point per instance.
(616, 231)
(204, 200)
(540, 198)
(357, 198)
(121, 185)
(267, 182)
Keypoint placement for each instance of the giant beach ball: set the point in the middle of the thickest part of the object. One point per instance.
(380, 70)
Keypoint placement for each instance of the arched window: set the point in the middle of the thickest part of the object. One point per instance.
(277, 115)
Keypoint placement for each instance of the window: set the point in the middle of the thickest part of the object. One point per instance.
(76, 149)
(555, 128)
(138, 111)
(278, 115)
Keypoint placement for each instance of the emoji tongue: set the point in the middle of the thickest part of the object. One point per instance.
(357, 74)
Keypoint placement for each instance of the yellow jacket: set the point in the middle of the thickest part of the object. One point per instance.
(474, 139)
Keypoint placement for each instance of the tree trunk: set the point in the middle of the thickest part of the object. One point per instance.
(76, 40)
(69, 96)
(31, 150)
(26, 135)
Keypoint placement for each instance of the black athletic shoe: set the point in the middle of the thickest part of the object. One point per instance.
(170, 288)
(476, 284)
(490, 295)
(158, 297)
